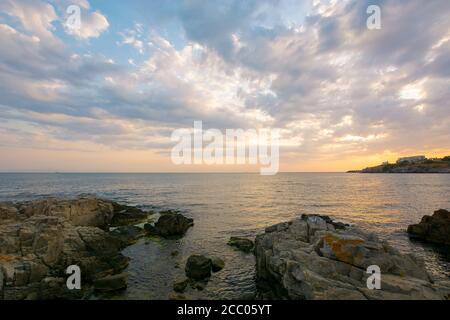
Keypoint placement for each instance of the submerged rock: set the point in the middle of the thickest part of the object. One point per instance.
(127, 215)
(170, 225)
(198, 267)
(217, 264)
(111, 283)
(128, 234)
(309, 258)
(180, 286)
(243, 244)
(177, 296)
(435, 229)
(199, 285)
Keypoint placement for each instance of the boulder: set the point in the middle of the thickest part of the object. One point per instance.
(243, 244)
(170, 225)
(435, 229)
(111, 283)
(217, 264)
(311, 258)
(198, 267)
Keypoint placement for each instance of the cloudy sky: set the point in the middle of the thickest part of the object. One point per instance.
(108, 95)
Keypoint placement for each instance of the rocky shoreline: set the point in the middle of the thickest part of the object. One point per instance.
(312, 257)
(40, 239)
(316, 258)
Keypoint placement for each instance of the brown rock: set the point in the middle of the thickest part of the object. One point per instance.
(435, 229)
(198, 267)
(170, 225)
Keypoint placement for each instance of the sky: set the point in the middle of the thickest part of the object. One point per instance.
(106, 97)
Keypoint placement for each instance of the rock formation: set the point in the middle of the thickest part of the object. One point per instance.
(315, 258)
(170, 225)
(40, 239)
(435, 229)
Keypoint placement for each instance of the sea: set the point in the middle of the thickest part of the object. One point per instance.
(244, 204)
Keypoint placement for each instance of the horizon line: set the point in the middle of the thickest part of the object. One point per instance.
(155, 172)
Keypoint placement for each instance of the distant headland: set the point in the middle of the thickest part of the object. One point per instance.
(416, 164)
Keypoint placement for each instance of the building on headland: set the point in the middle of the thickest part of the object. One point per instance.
(412, 159)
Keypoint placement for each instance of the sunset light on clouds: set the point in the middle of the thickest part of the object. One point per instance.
(106, 97)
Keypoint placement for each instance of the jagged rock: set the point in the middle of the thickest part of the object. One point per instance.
(217, 264)
(170, 225)
(198, 267)
(40, 239)
(7, 212)
(243, 244)
(83, 211)
(435, 229)
(311, 258)
(111, 283)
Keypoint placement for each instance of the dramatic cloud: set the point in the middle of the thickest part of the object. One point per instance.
(342, 94)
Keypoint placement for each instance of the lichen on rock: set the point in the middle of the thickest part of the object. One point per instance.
(313, 257)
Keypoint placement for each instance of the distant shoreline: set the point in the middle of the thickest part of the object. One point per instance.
(256, 173)
(426, 166)
(362, 172)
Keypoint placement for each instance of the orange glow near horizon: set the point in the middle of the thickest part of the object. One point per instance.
(37, 160)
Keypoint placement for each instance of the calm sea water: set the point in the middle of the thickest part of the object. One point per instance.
(225, 205)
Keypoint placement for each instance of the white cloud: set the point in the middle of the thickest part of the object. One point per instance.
(92, 25)
(35, 17)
